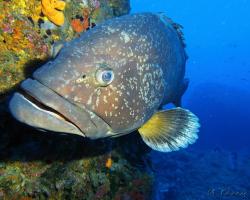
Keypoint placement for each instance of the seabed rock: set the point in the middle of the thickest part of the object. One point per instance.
(37, 165)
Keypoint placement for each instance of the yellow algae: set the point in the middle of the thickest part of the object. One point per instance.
(55, 37)
(27, 7)
(36, 14)
(59, 5)
(52, 10)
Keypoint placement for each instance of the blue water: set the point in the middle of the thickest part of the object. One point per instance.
(218, 165)
(217, 37)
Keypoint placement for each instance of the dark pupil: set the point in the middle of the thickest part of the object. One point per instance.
(106, 76)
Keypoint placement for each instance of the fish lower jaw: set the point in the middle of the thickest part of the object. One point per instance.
(30, 111)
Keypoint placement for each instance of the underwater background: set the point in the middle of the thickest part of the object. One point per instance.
(217, 37)
(35, 165)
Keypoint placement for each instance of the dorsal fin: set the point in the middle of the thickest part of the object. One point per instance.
(176, 26)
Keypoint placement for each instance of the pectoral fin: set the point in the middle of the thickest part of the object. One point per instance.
(170, 130)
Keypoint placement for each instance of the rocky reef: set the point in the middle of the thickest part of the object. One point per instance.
(37, 165)
(45, 166)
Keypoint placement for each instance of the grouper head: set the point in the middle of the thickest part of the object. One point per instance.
(108, 81)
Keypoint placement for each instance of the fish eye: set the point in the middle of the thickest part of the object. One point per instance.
(104, 76)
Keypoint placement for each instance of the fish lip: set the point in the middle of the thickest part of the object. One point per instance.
(90, 124)
(29, 113)
(42, 106)
(29, 96)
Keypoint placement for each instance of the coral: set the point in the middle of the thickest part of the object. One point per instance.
(79, 25)
(108, 163)
(57, 167)
(52, 9)
(16, 176)
(95, 3)
(19, 42)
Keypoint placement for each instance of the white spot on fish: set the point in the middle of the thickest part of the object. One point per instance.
(105, 99)
(132, 113)
(89, 100)
(125, 36)
(76, 98)
(111, 30)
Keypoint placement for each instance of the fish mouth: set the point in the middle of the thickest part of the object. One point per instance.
(38, 106)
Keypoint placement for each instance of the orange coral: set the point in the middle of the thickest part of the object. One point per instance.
(79, 26)
(108, 163)
(52, 9)
(17, 34)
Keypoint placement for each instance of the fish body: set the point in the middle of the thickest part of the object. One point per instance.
(112, 80)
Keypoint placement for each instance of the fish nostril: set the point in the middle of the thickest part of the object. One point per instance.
(84, 76)
(81, 79)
